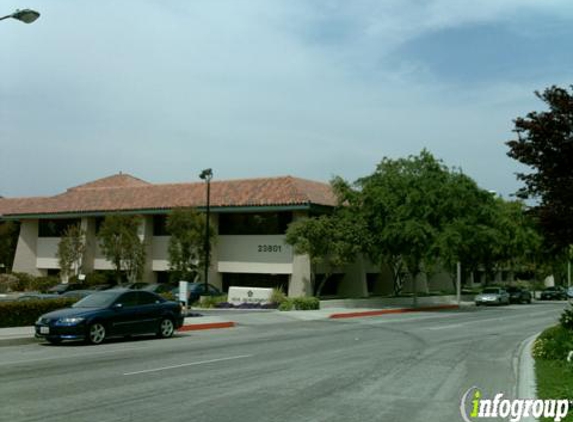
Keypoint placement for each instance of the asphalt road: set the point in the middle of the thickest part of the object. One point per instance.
(395, 368)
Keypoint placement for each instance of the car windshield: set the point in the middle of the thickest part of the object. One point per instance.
(491, 291)
(97, 300)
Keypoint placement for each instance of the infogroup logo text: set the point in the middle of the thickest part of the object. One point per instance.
(474, 407)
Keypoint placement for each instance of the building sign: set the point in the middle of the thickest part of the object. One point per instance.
(238, 295)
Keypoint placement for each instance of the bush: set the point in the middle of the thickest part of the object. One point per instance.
(287, 305)
(300, 304)
(24, 282)
(8, 283)
(555, 343)
(212, 301)
(97, 278)
(566, 319)
(42, 284)
(24, 313)
(278, 296)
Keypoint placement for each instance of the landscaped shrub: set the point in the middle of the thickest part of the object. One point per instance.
(300, 304)
(278, 296)
(24, 282)
(287, 305)
(555, 343)
(211, 301)
(8, 283)
(97, 278)
(42, 284)
(306, 303)
(24, 313)
(566, 319)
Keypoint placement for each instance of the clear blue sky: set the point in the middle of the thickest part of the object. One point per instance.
(162, 89)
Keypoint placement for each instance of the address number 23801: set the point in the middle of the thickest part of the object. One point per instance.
(270, 248)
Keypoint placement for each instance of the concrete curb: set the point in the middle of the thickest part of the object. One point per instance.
(526, 382)
(391, 311)
(207, 326)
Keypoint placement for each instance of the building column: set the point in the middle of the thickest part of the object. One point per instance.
(146, 236)
(88, 226)
(26, 249)
(299, 283)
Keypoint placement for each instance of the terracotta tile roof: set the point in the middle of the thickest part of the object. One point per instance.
(129, 193)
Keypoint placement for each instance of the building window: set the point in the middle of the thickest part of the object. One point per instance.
(55, 228)
(254, 223)
(160, 225)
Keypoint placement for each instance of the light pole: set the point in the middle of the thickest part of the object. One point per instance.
(26, 15)
(207, 175)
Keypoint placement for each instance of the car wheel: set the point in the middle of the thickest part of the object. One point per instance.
(166, 328)
(55, 340)
(96, 333)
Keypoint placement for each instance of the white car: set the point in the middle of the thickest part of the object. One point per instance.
(492, 296)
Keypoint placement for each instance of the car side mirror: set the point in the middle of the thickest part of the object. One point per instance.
(117, 306)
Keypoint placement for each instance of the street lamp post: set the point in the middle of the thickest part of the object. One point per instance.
(26, 15)
(207, 175)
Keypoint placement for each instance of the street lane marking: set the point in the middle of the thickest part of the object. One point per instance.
(183, 365)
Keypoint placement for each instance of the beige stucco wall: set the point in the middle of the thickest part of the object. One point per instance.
(254, 254)
(25, 257)
(46, 250)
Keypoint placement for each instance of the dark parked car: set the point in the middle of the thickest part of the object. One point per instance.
(65, 287)
(196, 290)
(554, 293)
(78, 294)
(159, 288)
(111, 313)
(518, 295)
(38, 296)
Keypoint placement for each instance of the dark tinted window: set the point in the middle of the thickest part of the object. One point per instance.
(128, 299)
(146, 298)
(254, 223)
(55, 227)
(97, 300)
(160, 225)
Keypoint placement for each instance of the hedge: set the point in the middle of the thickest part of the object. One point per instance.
(27, 312)
(300, 304)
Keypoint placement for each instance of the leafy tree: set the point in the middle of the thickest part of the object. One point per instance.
(187, 243)
(71, 251)
(122, 246)
(400, 206)
(331, 241)
(466, 231)
(9, 231)
(545, 144)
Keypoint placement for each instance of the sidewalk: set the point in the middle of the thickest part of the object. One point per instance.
(230, 318)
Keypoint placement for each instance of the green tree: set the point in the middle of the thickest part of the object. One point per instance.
(9, 231)
(330, 241)
(545, 144)
(400, 206)
(187, 243)
(121, 245)
(71, 249)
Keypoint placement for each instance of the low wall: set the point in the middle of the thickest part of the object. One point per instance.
(381, 302)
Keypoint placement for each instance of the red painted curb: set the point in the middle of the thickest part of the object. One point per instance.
(207, 326)
(392, 311)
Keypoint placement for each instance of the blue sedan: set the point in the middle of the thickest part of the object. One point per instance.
(111, 313)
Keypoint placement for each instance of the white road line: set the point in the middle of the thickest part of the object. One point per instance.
(203, 362)
(445, 327)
